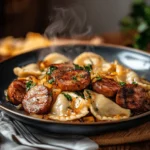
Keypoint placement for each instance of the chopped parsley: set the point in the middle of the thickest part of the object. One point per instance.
(69, 98)
(88, 67)
(82, 76)
(77, 67)
(74, 78)
(122, 83)
(89, 94)
(51, 69)
(51, 81)
(135, 83)
(29, 85)
(98, 78)
(79, 94)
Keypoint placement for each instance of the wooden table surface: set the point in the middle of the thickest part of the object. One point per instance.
(135, 138)
(134, 146)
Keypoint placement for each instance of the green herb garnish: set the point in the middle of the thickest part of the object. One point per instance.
(77, 67)
(69, 98)
(89, 94)
(74, 78)
(51, 81)
(136, 25)
(79, 94)
(98, 78)
(122, 83)
(51, 69)
(29, 85)
(88, 67)
(134, 83)
(82, 76)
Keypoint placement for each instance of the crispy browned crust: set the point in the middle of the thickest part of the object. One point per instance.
(133, 97)
(74, 80)
(16, 91)
(107, 87)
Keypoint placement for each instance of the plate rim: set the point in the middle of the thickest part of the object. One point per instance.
(74, 123)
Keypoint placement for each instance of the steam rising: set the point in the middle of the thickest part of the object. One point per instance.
(68, 23)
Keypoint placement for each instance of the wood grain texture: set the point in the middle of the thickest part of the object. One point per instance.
(137, 138)
(137, 134)
(133, 146)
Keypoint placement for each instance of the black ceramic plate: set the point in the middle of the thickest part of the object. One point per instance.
(134, 59)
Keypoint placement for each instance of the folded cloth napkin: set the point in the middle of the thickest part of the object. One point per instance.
(7, 142)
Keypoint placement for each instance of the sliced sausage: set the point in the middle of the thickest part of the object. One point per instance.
(59, 69)
(107, 87)
(64, 66)
(37, 100)
(74, 80)
(16, 91)
(133, 97)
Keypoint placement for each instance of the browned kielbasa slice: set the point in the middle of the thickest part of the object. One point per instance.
(16, 91)
(107, 87)
(37, 100)
(133, 97)
(74, 80)
(56, 70)
(64, 66)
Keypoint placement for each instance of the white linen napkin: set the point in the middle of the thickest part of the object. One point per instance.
(7, 142)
